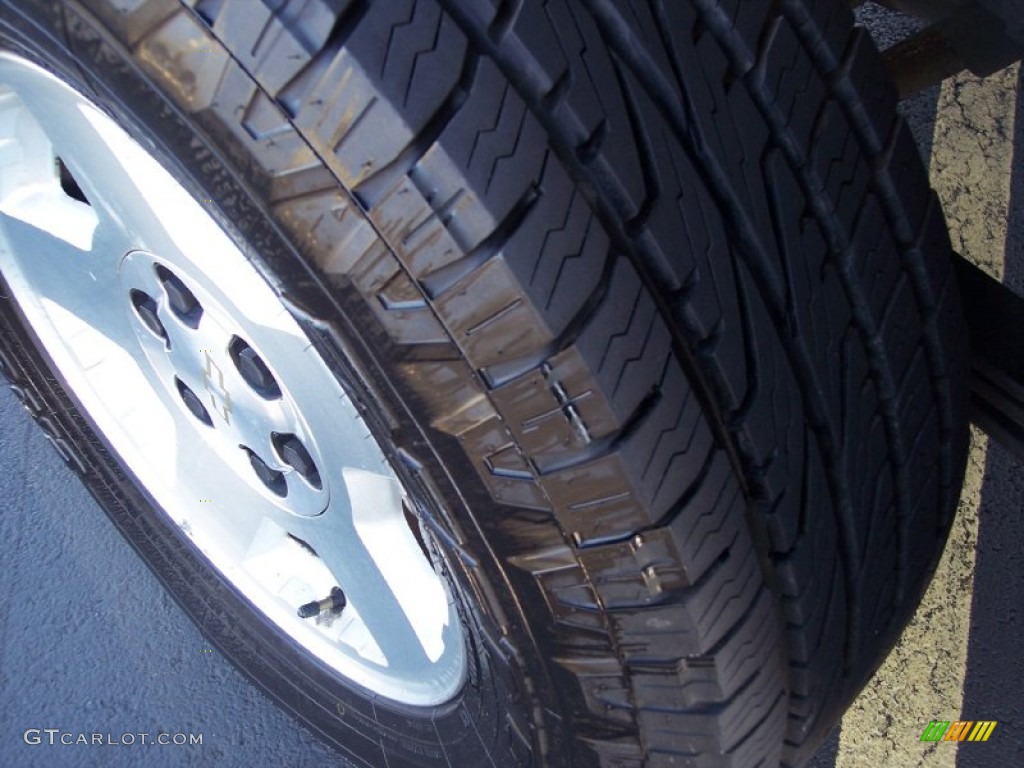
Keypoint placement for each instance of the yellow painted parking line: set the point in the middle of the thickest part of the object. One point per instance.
(923, 678)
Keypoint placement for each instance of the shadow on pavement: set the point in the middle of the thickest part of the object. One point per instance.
(994, 684)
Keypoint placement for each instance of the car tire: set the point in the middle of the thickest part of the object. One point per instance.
(649, 307)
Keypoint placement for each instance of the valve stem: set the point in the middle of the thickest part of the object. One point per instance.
(333, 603)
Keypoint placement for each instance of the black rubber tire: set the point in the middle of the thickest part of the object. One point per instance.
(654, 300)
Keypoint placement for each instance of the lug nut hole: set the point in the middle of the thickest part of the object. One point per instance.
(293, 453)
(270, 477)
(146, 310)
(193, 402)
(180, 299)
(253, 370)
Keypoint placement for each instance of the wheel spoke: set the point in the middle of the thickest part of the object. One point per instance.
(338, 543)
(121, 181)
(64, 274)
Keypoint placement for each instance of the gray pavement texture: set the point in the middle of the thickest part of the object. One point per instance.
(90, 643)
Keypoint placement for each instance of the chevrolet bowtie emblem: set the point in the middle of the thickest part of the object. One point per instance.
(213, 380)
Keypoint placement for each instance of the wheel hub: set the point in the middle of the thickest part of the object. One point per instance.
(197, 350)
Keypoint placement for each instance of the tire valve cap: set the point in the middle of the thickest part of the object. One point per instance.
(333, 603)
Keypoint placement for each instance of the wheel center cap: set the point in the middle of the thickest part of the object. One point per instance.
(196, 352)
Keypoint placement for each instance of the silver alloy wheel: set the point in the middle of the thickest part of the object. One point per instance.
(211, 394)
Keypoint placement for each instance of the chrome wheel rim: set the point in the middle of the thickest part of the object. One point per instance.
(211, 394)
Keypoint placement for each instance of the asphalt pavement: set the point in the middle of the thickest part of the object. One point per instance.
(89, 643)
